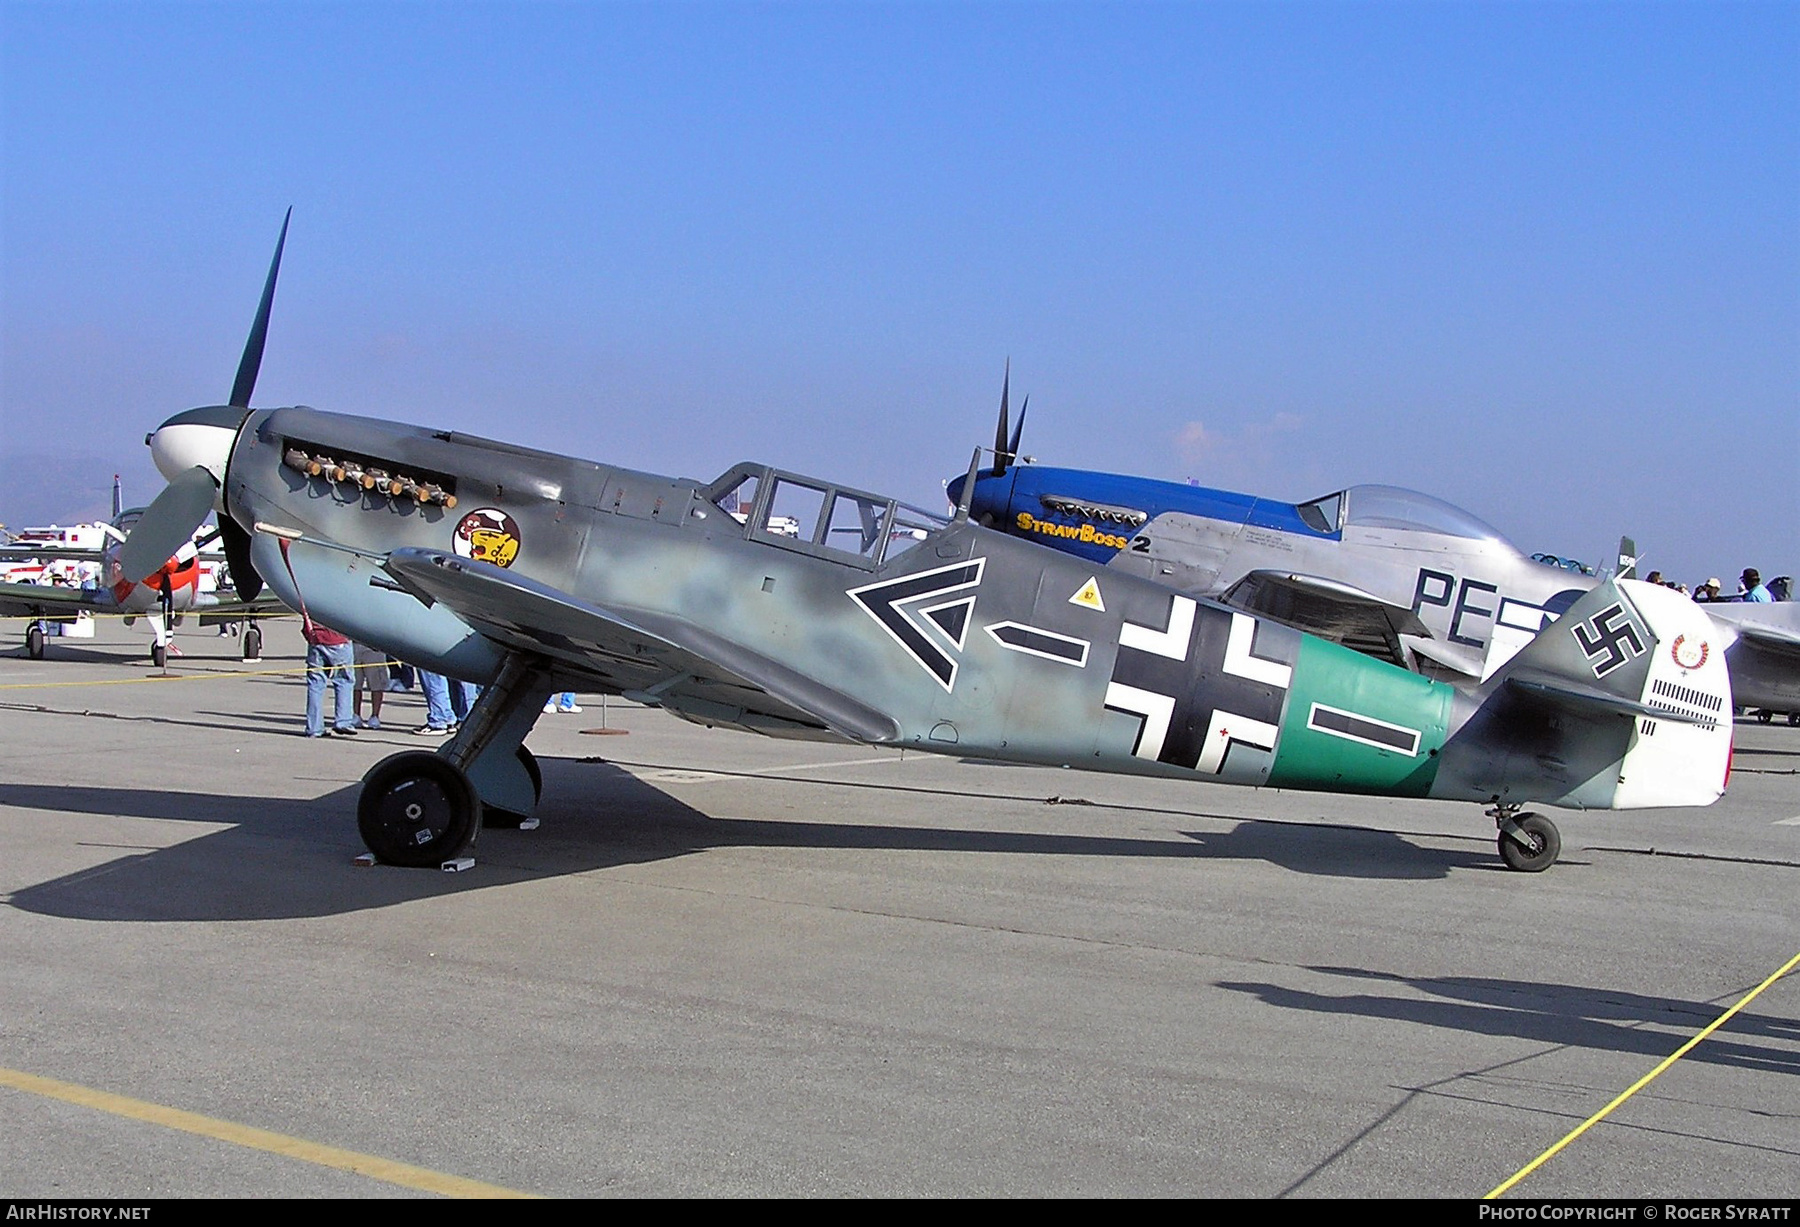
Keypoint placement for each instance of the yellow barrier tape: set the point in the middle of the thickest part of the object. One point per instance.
(64, 613)
(1641, 1083)
(210, 676)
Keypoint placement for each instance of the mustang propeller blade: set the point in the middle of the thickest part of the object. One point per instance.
(1000, 427)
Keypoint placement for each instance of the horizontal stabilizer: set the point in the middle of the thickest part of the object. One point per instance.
(1573, 694)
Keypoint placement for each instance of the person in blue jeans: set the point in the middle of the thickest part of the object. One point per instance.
(438, 717)
(329, 658)
(447, 702)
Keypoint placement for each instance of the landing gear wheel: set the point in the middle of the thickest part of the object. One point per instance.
(1794, 719)
(1546, 844)
(417, 810)
(34, 641)
(159, 655)
(252, 643)
(1764, 715)
(492, 816)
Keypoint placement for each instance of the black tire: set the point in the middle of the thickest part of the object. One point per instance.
(417, 810)
(159, 655)
(252, 644)
(34, 641)
(1546, 844)
(1794, 719)
(494, 816)
(1764, 716)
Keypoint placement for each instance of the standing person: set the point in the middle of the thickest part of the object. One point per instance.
(1753, 587)
(462, 698)
(439, 719)
(371, 676)
(564, 703)
(329, 657)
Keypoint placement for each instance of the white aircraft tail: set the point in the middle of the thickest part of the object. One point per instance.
(1648, 653)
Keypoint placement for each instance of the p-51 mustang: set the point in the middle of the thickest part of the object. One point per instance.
(784, 605)
(1393, 573)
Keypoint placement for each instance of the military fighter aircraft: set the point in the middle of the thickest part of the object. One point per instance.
(796, 607)
(1393, 573)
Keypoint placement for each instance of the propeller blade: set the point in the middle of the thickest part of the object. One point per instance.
(1000, 429)
(1012, 449)
(245, 578)
(168, 523)
(251, 362)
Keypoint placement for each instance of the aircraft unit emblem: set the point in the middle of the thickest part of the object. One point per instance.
(487, 535)
(1687, 655)
(909, 611)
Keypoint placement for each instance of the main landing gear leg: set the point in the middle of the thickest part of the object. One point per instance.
(420, 808)
(1529, 842)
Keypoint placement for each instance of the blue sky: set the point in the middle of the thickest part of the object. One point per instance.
(1541, 260)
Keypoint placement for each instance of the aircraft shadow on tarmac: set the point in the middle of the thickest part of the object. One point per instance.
(1570, 1015)
(292, 857)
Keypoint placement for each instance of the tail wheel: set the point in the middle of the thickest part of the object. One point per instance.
(417, 810)
(1543, 844)
(34, 641)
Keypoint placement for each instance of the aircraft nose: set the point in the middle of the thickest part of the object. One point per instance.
(197, 438)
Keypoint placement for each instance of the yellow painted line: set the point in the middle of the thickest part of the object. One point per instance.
(1641, 1083)
(403, 1174)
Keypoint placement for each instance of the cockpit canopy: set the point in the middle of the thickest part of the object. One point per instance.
(820, 518)
(1394, 508)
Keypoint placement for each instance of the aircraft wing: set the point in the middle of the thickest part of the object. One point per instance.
(1769, 638)
(33, 600)
(1329, 609)
(647, 657)
(59, 553)
(232, 606)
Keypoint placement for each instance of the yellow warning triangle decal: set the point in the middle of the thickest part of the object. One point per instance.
(1089, 595)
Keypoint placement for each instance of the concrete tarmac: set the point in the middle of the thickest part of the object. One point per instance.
(730, 966)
